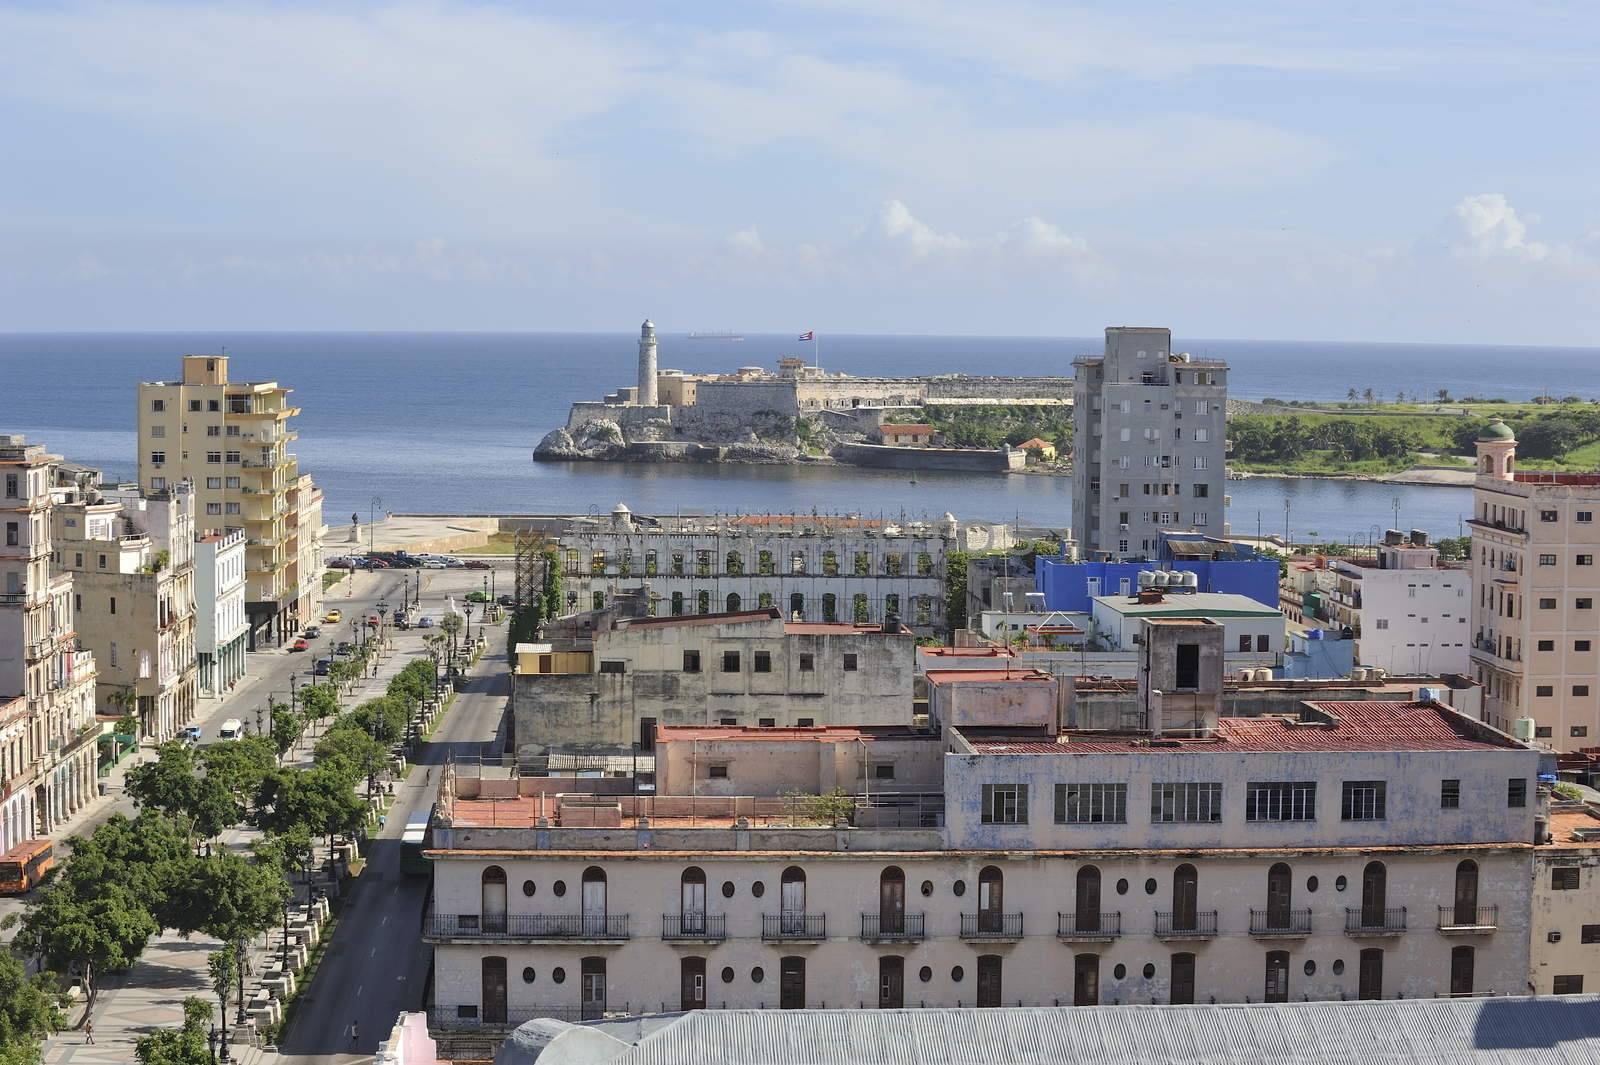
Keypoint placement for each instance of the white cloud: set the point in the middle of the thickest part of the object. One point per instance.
(1494, 228)
(748, 242)
(1035, 236)
(896, 225)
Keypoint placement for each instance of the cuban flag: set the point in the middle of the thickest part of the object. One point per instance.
(808, 335)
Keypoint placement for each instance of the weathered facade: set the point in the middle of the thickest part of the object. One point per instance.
(1565, 924)
(632, 676)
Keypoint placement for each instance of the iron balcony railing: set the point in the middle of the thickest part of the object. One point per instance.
(1196, 925)
(1280, 923)
(1089, 925)
(712, 927)
(1362, 922)
(793, 924)
(988, 924)
(900, 926)
(1469, 918)
(527, 926)
(449, 1018)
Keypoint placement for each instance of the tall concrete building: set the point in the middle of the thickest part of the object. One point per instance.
(1150, 448)
(47, 681)
(230, 439)
(1535, 628)
(646, 395)
(221, 631)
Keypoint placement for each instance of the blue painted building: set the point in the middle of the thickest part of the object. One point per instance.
(1219, 566)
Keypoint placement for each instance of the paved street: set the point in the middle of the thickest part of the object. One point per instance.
(369, 973)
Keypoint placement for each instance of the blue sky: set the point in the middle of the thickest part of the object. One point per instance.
(1354, 171)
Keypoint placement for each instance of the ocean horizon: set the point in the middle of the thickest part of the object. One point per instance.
(447, 422)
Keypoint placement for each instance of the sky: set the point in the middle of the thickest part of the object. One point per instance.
(1359, 171)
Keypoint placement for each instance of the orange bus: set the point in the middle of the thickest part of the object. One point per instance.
(24, 866)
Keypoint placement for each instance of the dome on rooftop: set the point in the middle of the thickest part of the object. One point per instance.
(1497, 430)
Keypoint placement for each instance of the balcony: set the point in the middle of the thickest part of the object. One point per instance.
(1359, 922)
(892, 927)
(694, 927)
(1199, 925)
(1286, 924)
(1089, 927)
(527, 927)
(793, 926)
(473, 1018)
(991, 926)
(1469, 920)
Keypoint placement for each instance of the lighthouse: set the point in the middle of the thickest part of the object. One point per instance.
(646, 394)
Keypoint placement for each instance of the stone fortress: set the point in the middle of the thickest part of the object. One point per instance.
(756, 415)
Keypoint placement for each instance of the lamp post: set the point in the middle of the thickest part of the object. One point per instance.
(211, 1041)
(258, 722)
(372, 526)
(286, 936)
(466, 630)
(383, 615)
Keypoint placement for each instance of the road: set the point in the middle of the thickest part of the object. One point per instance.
(377, 965)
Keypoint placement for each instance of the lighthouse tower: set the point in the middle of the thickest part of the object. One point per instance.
(646, 395)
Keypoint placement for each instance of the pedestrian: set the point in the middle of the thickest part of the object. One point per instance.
(354, 1033)
(88, 1031)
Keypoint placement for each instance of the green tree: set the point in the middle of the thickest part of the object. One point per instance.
(524, 627)
(354, 748)
(321, 800)
(224, 966)
(319, 701)
(166, 784)
(239, 766)
(955, 589)
(286, 728)
(150, 855)
(291, 853)
(550, 585)
(30, 1009)
(182, 1046)
(70, 930)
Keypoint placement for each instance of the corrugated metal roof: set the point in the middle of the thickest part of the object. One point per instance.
(1561, 1030)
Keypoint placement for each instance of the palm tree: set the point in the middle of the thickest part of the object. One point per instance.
(451, 624)
(125, 701)
(1352, 395)
(1370, 396)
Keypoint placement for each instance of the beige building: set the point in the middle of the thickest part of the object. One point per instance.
(131, 556)
(1349, 850)
(628, 676)
(48, 732)
(1534, 621)
(1566, 904)
(230, 438)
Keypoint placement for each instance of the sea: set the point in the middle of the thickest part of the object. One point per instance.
(446, 423)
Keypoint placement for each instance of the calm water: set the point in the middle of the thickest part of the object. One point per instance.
(446, 423)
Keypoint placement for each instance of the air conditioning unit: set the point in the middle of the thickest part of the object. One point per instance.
(1123, 527)
(1555, 937)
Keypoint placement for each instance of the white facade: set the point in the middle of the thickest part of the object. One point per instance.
(1118, 619)
(1409, 613)
(222, 629)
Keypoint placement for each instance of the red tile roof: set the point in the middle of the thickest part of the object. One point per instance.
(1360, 726)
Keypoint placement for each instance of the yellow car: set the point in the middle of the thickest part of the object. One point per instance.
(332, 617)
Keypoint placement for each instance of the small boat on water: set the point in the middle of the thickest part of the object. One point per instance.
(715, 336)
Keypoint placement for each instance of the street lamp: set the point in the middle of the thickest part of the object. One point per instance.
(211, 1041)
(372, 526)
(258, 722)
(383, 615)
(467, 631)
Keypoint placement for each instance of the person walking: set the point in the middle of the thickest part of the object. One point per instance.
(355, 1033)
(88, 1032)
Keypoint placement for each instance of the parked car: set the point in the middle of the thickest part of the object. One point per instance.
(475, 563)
(424, 623)
(341, 563)
(301, 644)
(377, 563)
(190, 733)
(345, 648)
(432, 563)
(506, 600)
(332, 617)
(313, 631)
(453, 563)
(322, 667)
(372, 621)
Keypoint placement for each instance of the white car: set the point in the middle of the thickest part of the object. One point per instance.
(453, 563)
(432, 563)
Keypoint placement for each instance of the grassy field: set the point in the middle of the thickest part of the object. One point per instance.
(500, 543)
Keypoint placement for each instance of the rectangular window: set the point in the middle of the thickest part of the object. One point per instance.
(1244, 642)
(763, 662)
(808, 663)
(1517, 791)
(1549, 515)
(231, 482)
(1542, 732)
(1091, 804)
(1363, 800)
(1273, 800)
(1544, 691)
(214, 483)
(233, 457)
(730, 661)
(717, 772)
(766, 722)
(849, 663)
(1547, 645)
(1547, 560)
(230, 508)
(213, 508)
(213, 430)
(1547, 604)
(1584, 604)
(1564, 878)
(883, 771)
(158, 431)
(1185, 803)
(1383, 623)
(194, 405)
(1580, 689)
(805, 722)
(1199, 462)
(1584, 516)
(214, 457)
(691, 661)
(157, 457)
(158, 404)
(1005, 804)
(1449, 794)
(1567, 985)
(1591, 933)
(1585, 560)
(1579, 731)
(1580, 645)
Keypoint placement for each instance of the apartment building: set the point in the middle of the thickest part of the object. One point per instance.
(47, 679)
(221, 631)
(1151, 451)
(1348, 850)
(230, 439)
(1566, 903)
(629, 676)
(131, 557)
(305, 530)
(1407, 610)
(1535, 630)
(812, 567)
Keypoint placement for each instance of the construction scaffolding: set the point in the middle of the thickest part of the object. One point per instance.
(528, 550)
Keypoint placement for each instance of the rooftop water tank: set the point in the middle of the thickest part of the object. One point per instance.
(1522, 729)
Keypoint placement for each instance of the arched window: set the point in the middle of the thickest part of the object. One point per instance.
(797, 562)
(1086, 980)
(1466, 899)
(892, 901)
(858, 608)
(892, 564)
(1087, 918)
(1374, 895)
(891, 604)
(735, 564)
(830, 563)
(797, 606)
(991, 899)
(677, 563)
(493, 898)
(924, 564)
(1185, 898)
(764, 563)
(650, 563)
(924, 610)
(830, 607)
(692, 901)
(594, 901)
(677, 604)
(792, 900)
(703, 602)
(764, 600)
(1280, 895)
(734, 602)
